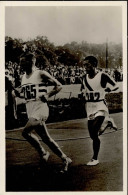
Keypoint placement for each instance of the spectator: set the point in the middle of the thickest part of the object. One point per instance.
(66, 75)
(9, 104)
(117, 75)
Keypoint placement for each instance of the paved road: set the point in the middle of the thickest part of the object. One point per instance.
(23, 172)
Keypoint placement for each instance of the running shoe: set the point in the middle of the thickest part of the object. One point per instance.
(93, 162)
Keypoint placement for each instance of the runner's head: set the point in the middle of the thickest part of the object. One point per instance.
(27, 61)
(90, 63)
(92, 60)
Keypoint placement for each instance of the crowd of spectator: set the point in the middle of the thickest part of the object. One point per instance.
(73, 75)
(65, 74)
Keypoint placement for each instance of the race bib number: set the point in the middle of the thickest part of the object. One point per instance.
(29, 92)
(92, 96)
(33, 92)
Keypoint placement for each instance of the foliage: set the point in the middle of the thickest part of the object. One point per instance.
(70, 54)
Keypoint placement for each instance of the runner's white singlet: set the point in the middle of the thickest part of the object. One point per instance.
(95, 104)
(33, 88)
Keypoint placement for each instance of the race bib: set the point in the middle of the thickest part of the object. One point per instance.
(92, 96)
(32, 92)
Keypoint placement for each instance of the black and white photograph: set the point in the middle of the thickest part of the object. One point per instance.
(65, 84)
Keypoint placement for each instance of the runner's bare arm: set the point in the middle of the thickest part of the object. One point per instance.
(108, 80)
(17, 92)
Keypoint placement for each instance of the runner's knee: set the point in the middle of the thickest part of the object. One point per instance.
(94, 136)
(25, 134)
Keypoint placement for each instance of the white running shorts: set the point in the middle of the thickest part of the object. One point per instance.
(38, 110)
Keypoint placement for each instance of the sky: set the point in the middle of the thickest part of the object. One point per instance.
(64, 24)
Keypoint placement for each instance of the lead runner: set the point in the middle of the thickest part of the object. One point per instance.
(33, 87)
(93, 87)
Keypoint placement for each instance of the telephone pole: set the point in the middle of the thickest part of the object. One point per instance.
(106, 53)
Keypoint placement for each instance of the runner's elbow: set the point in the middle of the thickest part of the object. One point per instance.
(59, 87)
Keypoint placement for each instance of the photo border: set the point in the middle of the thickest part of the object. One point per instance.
(3, 5)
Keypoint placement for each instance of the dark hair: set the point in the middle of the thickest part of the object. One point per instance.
(27, 57)
(92, 60)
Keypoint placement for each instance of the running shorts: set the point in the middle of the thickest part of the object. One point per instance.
(38, 110)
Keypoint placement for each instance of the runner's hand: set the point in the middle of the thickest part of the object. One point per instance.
(108, 90)
(44, 98)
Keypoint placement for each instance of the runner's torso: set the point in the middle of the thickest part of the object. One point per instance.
(94, 94)
(33, 87)
(93, 90)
